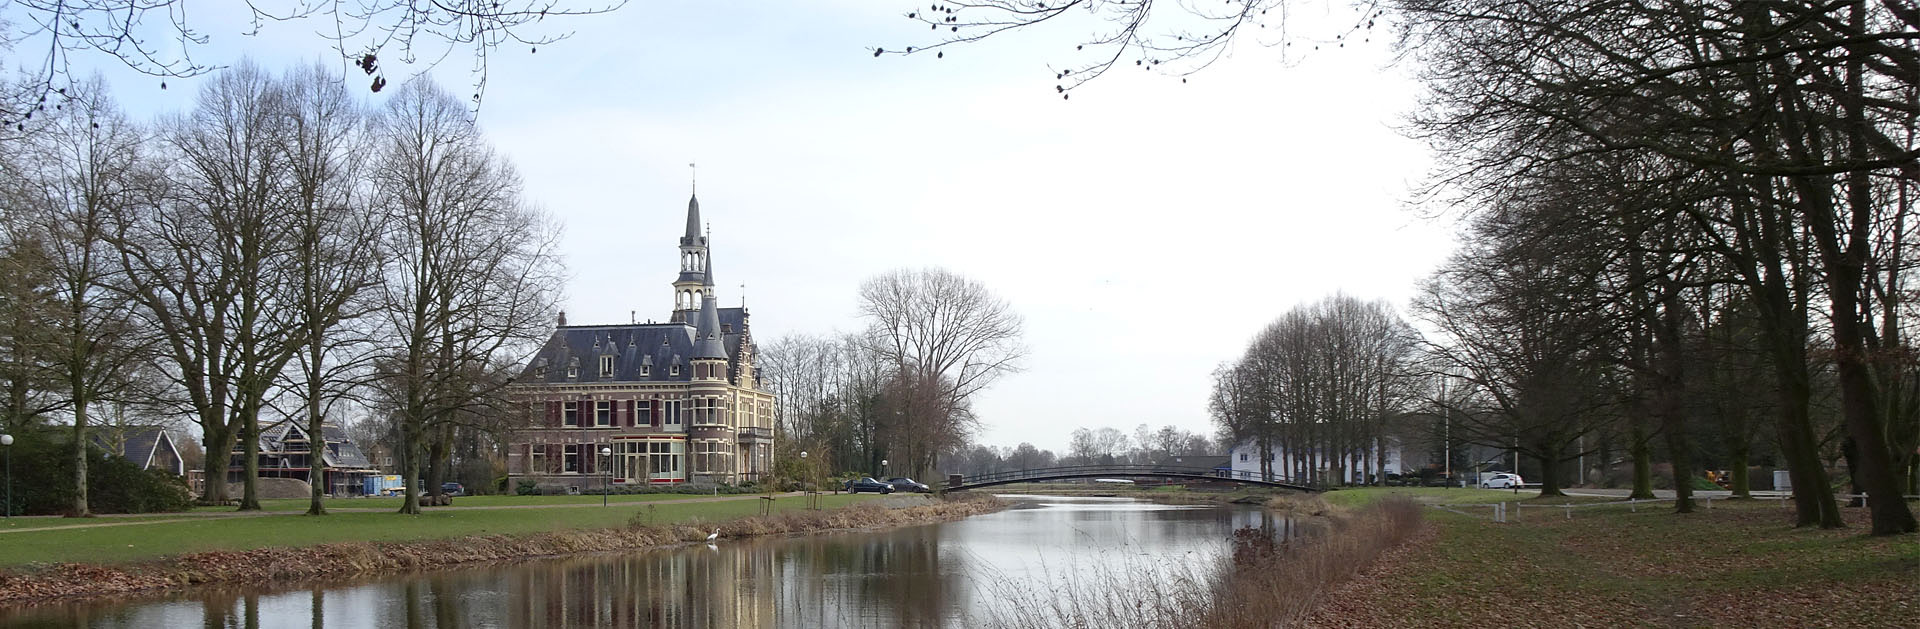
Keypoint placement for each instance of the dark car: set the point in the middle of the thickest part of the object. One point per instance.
(453, 489)
(868, 484)
(903, 483)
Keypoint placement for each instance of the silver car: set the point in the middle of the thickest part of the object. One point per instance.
(1501, 480)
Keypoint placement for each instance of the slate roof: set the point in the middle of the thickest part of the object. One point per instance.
(656, 345)
(708, 343)
(139, 443)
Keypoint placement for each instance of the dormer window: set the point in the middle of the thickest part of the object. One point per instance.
(573, 368)
(646, 370)
(606, 366)
(540, 369)
(674, 371)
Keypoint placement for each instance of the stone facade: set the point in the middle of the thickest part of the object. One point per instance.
(673, 402)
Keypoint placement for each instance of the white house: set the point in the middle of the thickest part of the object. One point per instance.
(1246, 461)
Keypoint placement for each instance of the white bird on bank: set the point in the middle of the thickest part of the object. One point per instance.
(714, 536)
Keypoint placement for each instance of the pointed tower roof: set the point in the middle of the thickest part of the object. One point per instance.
(708, 341)
(706, 279)
(693, 221)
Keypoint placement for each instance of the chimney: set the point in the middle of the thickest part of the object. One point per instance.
(563, 318)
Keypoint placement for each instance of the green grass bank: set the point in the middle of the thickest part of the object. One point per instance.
(118, 556)
(1739, 564)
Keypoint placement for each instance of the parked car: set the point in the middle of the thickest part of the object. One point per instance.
(902, 483)
(868, 484)
(1501, 480)
(453, 489)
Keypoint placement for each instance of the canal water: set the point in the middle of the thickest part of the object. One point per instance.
(993, 569)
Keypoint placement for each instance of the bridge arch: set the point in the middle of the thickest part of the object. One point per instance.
(1072, 472)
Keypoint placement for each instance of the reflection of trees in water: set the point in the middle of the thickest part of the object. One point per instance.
(886, 579)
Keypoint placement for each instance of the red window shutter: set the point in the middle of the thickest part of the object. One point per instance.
(554, 464)
(655, 413)
(631, 419)
(587, 455)
(553, 412)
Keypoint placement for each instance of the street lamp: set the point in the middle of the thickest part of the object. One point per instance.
(606, 458)
(812, 493)
(7, 507)
(883, 468)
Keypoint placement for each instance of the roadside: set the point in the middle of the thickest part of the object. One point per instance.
(1737, 565)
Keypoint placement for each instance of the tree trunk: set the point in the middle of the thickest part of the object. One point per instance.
(219, 457)
(249, 482)
(1550, 463)
(79, 508)
(409, 449)
(1642, 459)
(316, 427)
(439, 459)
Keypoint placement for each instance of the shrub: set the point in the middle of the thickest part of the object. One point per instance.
(527, 488)
(43, 479)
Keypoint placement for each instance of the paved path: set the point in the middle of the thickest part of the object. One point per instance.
(1667, 494)
(201, 515)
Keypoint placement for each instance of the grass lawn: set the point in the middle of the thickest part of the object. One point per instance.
(393, 503)
(146, 541)
(1740, 564)
(26, 524)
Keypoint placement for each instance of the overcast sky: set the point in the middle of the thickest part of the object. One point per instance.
(1145, 229)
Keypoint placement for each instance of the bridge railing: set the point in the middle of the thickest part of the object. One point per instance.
(1123, 471)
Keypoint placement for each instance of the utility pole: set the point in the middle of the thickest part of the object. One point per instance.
(1446, 430)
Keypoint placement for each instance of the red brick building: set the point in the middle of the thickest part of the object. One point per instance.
(672, 402)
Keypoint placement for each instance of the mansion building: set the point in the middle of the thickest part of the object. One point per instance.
(674, 402)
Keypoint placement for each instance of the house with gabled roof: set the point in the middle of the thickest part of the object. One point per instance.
(287, 451)
(148, 447)
(648, 403)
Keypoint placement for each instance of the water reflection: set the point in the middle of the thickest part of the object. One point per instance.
(927, 576)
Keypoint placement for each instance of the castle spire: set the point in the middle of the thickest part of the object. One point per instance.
(693, 282)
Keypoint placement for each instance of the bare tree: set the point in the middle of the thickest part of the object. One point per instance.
(207, 265)
(160, 38)
(334, 262)
(471, 277)
(946, 338)
(84, 171)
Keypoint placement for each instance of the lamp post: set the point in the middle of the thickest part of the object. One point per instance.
(883, 468)
(7, 507)
(606, 458)
(812, 493)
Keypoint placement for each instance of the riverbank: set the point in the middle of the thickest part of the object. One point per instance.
(644, 527)
(1739, 564)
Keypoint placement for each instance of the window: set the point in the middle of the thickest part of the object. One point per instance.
(646, 370)
(663, 459)
(570, 414)
(540, 369)
(572, 459)
(602, 414)
(537, 458)
(573, 368)
(643, 413)
(670, 414)
(675, 371)
(1243, 457)
(606, 366)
